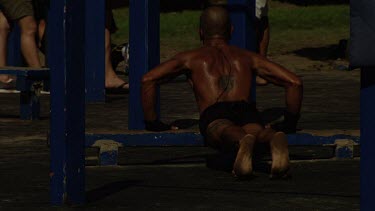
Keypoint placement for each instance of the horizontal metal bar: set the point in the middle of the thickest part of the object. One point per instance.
(27, 72)
(195, 139)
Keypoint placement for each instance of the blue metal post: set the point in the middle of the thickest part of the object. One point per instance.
(242, 14)
(67, 63)
(144, 52)
(14, 56)
(367, 138)
(95, 52)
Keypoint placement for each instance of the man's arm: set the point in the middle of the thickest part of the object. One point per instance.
(150, 80)
(280, 76)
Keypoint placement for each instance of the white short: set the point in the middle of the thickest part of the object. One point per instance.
(261, 8)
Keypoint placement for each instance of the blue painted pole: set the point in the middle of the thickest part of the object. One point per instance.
(67, 63)
(14, 55)
(367, 138)
(144, 52)
(95, 51)
(242, 14)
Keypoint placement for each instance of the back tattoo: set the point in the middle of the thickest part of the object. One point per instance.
(226, 83)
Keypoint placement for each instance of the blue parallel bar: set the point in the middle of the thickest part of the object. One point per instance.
(195, 139)
(66, 61)
(38, 73)
(109, 158)
(14, 55)
(145, 53)
(95, 51)
(242, 14)
(368, 138)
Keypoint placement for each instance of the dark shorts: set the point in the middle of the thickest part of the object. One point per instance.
(17, 9)
(238, 112)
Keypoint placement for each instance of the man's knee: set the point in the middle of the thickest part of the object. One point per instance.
(28, 25)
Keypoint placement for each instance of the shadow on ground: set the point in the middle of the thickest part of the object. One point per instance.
(109, 189)
(324, 53)
(315, 2)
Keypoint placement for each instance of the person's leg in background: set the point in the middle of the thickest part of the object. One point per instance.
(112, 81)
(22, 11)
(28, 45)
(263, 36)
(41, 16)
(111, 78)
(262, 32)
(41, 31)
(4, 31)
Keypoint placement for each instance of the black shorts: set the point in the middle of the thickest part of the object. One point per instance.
(238, 112)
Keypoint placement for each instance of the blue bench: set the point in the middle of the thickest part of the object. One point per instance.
(30, 82)
(343, 142)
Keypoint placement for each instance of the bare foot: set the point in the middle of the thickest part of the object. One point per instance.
(243, 163)
(280, 156)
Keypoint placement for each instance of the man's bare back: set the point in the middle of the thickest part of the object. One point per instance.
(221, 77)
(218, 72)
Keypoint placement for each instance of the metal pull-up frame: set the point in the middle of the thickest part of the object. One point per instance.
(68, 38)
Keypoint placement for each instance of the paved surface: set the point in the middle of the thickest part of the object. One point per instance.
(177, 178)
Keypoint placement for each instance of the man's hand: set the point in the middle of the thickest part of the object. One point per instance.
(158, 126)
(289, 125)
(150, 81)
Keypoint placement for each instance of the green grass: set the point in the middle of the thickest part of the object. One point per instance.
(292, 27)
(296, 27)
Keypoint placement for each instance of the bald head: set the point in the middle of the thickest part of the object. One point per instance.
(214, 22)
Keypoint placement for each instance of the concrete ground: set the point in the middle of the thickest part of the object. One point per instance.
(178, 178)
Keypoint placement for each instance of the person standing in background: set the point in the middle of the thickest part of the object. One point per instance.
(22, 12)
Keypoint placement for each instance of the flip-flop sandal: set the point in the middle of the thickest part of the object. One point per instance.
(117, 90)
(9, 87)
(9, 91)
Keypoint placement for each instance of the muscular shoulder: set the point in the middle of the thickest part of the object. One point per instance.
(206, 55)
(192, 56)
(252, 58)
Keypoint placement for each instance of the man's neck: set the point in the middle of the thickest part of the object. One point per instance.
(215, 41)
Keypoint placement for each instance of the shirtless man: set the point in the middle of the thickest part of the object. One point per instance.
(221, 79)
